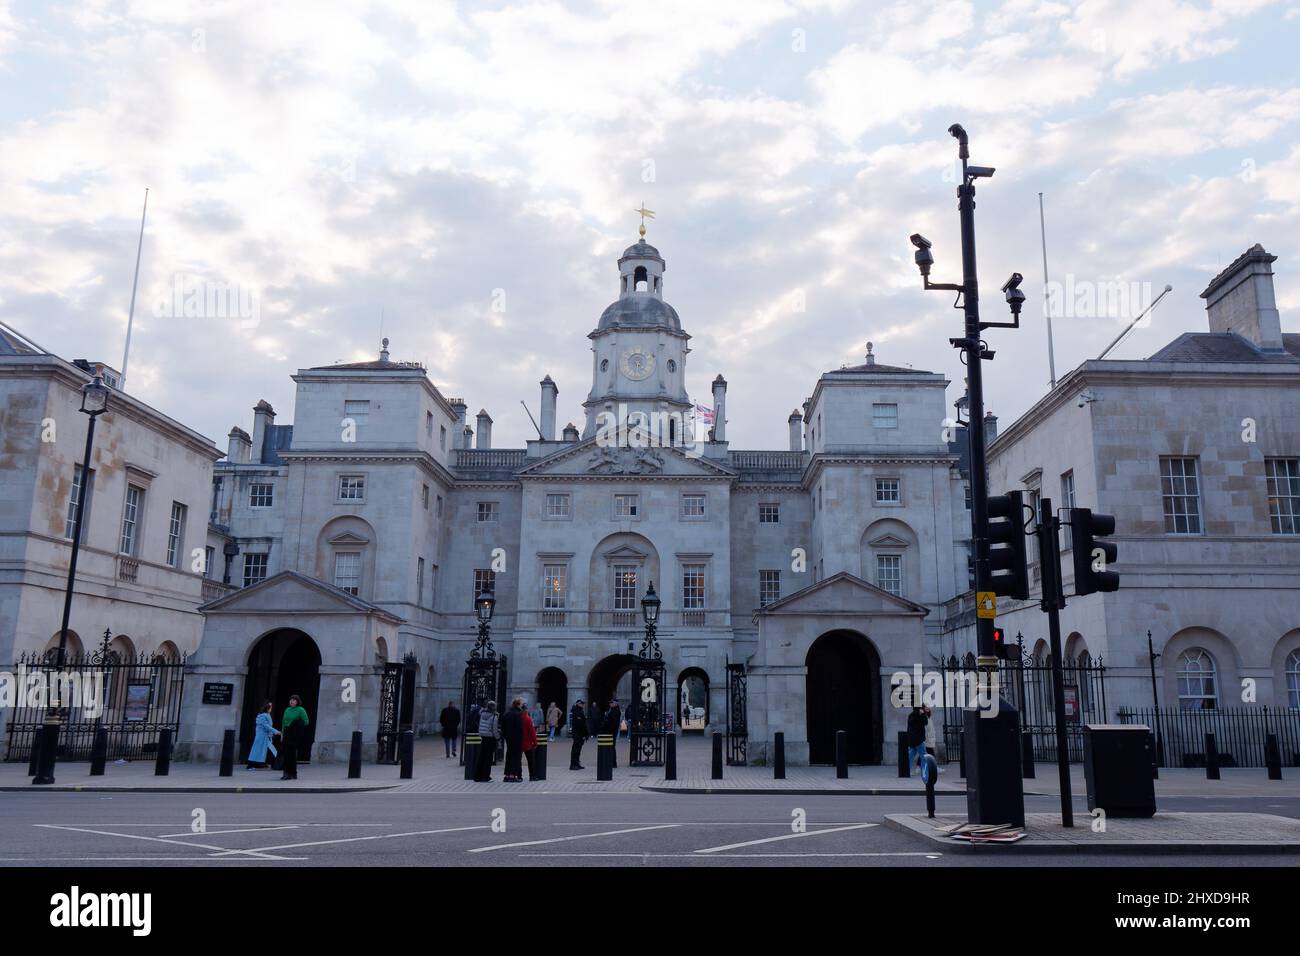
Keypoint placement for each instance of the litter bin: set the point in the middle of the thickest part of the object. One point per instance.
(1117, 769)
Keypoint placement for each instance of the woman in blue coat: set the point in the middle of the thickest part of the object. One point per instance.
(262, 733)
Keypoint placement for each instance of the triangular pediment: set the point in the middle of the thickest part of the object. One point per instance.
(349, 538)
(843, 593)
(624, 553)
(889, 541)
(591, 459)
(292, 593)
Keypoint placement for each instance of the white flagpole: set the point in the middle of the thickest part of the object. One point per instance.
(130, 314)
(1047, 299)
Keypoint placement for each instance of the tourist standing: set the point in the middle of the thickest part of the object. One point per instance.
(512, 732)
(293, 728)
(578, 728)
(489, 731)
(916, 722)
(530, 742)
(613, 721)
(553, 715)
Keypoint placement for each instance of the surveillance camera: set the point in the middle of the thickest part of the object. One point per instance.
(1013, 282)
(979, 172)
(920, 241)
(924, 257)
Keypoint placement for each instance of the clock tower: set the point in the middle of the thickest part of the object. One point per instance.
(639, 354)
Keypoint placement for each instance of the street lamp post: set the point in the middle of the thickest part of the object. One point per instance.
(648, 678)
(483, 667)
(94, 402)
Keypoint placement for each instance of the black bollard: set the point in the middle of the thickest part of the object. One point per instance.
(163, 765)
(1027, 755)
(717, 755)
(406, 754)
(470, 753)
(35, 761)
(49, 753)
(1273, 757)
(227, 768)
(539, 759)
(99, 752)
(354, 757)
(1211, 758)
(1155, 758)
(904, 768)
(605, 757)
(961, 755)
(841, 755)
(930, 774)
(670, 757)
(778, 771)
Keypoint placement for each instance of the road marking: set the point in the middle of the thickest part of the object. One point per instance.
(728, 856)
(151, 839)
(576, 836)
(200, 858)
(711, 823)
(785, 836)
(252, 829)
(377, 836)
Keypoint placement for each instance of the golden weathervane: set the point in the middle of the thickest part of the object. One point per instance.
(645, 214)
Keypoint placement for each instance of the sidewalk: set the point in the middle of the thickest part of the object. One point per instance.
(433, 773)
(1236, 833)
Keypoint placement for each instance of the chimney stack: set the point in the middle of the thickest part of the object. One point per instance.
(263, 418)
(990, 428)
(796, 431)
(238, 447)
(719, 409)
(571, 433)
(1240, 299)
(467, 438)
(458, 432)
(484, 429)
(550, 391)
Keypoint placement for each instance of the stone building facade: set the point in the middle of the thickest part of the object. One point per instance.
(364, 531)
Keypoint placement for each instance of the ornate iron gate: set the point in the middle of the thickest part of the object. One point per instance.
(737, 715)
(396, 706)
(484, 679)
(133, 699)
(646, 711)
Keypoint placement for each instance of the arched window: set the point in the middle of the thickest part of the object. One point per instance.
(640, 281)
(1293, 679)
(1197, 687)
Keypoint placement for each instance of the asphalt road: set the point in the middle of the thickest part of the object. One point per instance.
(594, 829)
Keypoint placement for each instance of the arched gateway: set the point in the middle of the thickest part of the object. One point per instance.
(283, 662)
(843, 693)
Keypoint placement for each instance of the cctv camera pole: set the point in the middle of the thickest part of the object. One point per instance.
(1049, 551)
(998, 772)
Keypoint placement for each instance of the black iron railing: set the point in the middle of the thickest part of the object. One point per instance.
(1240, 734)
(1027, 685)
(133, 699)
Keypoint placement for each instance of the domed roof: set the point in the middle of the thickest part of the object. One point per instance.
(639, 311)
(640, 250)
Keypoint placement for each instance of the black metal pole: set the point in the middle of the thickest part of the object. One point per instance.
(354, 756)
(1053, 600)
(406, 754)
(99, 752)
(1155, 703)
(717, 755)
(162, 765)
(778, 767)
(50, 739)
(904, 769)
(670, 756)
(227, 767)
(841, 755)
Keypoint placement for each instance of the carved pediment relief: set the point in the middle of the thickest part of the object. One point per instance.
(608, 460)
(349, 539)
(888, 541)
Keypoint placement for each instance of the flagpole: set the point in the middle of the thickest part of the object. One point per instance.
(1047, 300)
(130, 314)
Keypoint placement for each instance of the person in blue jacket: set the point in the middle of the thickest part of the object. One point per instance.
(263, 730)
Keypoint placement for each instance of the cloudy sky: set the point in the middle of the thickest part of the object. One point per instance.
(343, 165)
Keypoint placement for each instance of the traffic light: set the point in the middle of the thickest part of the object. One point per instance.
(1000, 643)
(1008, 551)
(1093, 557)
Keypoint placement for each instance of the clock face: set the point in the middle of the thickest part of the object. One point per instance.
(638, 365)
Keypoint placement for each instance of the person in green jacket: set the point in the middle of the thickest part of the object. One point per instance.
(293, 728)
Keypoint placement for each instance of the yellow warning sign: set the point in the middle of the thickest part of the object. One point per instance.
(986, 604)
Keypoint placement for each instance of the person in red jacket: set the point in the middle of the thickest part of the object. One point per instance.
(530, 742)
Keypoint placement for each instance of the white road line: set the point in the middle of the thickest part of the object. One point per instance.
(136, 859)
(151, 839)
(377, 836)
(725, 856)
(712, 823)
(261, 829)
(576, 836)
(786, 836)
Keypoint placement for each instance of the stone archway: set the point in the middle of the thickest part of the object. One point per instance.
(553, 688)
(693, 700)
(281, 663)
(609, 677)
(843, 693)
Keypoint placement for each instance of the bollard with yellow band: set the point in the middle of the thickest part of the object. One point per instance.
(470, 753)
(605, 757)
